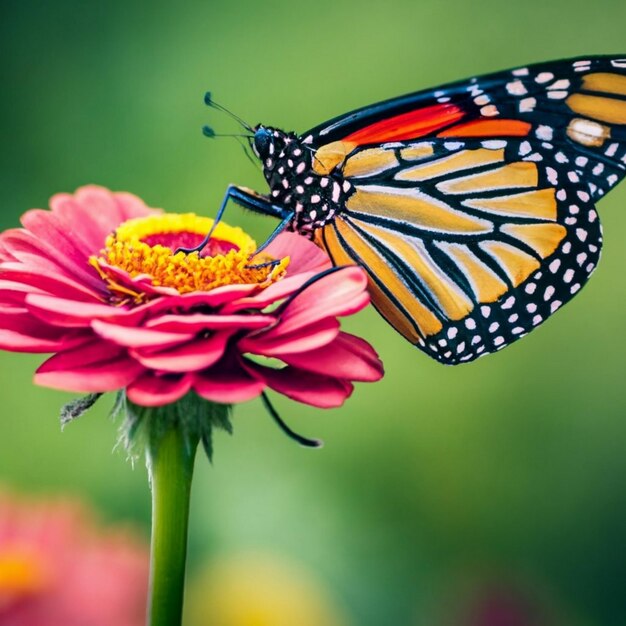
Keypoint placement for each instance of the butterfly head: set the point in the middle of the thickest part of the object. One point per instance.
(268, 143)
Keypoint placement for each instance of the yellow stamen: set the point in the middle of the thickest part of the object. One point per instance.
(131, 248)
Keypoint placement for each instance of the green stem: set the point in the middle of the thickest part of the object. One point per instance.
(170, 459)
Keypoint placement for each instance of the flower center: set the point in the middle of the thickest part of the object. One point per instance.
(147, 245)
(21, 575)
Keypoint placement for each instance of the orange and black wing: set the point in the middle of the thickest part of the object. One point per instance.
(473, 214)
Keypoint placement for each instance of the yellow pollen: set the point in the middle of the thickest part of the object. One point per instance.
(138, 247)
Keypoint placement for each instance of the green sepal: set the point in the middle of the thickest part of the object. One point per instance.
(77, 407)
(192, 415)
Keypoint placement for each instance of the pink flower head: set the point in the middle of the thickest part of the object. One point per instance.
(58, 567)
(97, 281)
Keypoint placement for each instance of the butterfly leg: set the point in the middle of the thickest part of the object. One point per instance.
(248, 200)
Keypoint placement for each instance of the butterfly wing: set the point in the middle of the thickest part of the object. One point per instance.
(478, 232)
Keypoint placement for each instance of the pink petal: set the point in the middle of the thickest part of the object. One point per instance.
(196, 322)
(315, 389)
(95, 367)
(21, 332)
(274, 342)
(70, 313)
(304, 255)
(45, 278)
(138, 336)
(30, 250)
(210, 299)
(272, 294)
(190, 357)
(151, 389)
(227, 384)
(346, 357)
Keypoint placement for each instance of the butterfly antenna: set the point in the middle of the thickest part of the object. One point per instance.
(208, 131)
(255, 162)
(303, 441)
(208, 100)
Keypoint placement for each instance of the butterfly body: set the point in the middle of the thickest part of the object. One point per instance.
(288, 166)
(470, 207)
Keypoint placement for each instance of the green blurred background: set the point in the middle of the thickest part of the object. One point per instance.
(438, 487)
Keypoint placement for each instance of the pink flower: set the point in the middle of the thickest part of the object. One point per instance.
(58, 567)
(96, 281)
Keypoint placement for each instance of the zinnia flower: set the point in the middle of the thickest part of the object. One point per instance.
(57, 567)
(97, 281)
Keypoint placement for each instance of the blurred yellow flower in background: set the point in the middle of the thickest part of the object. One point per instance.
(260, 589)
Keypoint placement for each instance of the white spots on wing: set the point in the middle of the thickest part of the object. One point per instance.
(470, 323)
(564, 83)
(552, 175)
(522, 71)
(581, 161)
(489, 111)
(530, 288)
(561, 158)
(573, 176)
(301, 167)
(482, 100)
(619, 63)
(516, 88)
(581, 258)
(548, 293)
(336, 192)
(531, 307)
(561, 195)
(525, 148)
(592, 216)
(509, 302)
(557, 95)
(545, 133)
(612, 149)
(452, 332)
(581, 234)
(494, 144)
(554, 266)
(527, 105)
(453, 145)
(544, 77)
(583, 195)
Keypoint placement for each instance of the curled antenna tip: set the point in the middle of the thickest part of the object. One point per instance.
(207, 131)
(208, 100)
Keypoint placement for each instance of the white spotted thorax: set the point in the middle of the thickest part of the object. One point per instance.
(314, 198)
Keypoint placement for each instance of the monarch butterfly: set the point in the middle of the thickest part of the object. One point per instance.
(470, 206)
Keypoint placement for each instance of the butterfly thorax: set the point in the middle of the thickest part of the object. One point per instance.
(288, 166)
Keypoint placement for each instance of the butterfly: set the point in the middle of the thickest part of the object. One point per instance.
(469, 206)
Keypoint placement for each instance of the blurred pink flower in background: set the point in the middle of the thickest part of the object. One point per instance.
(59, 568)
(96, 280)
